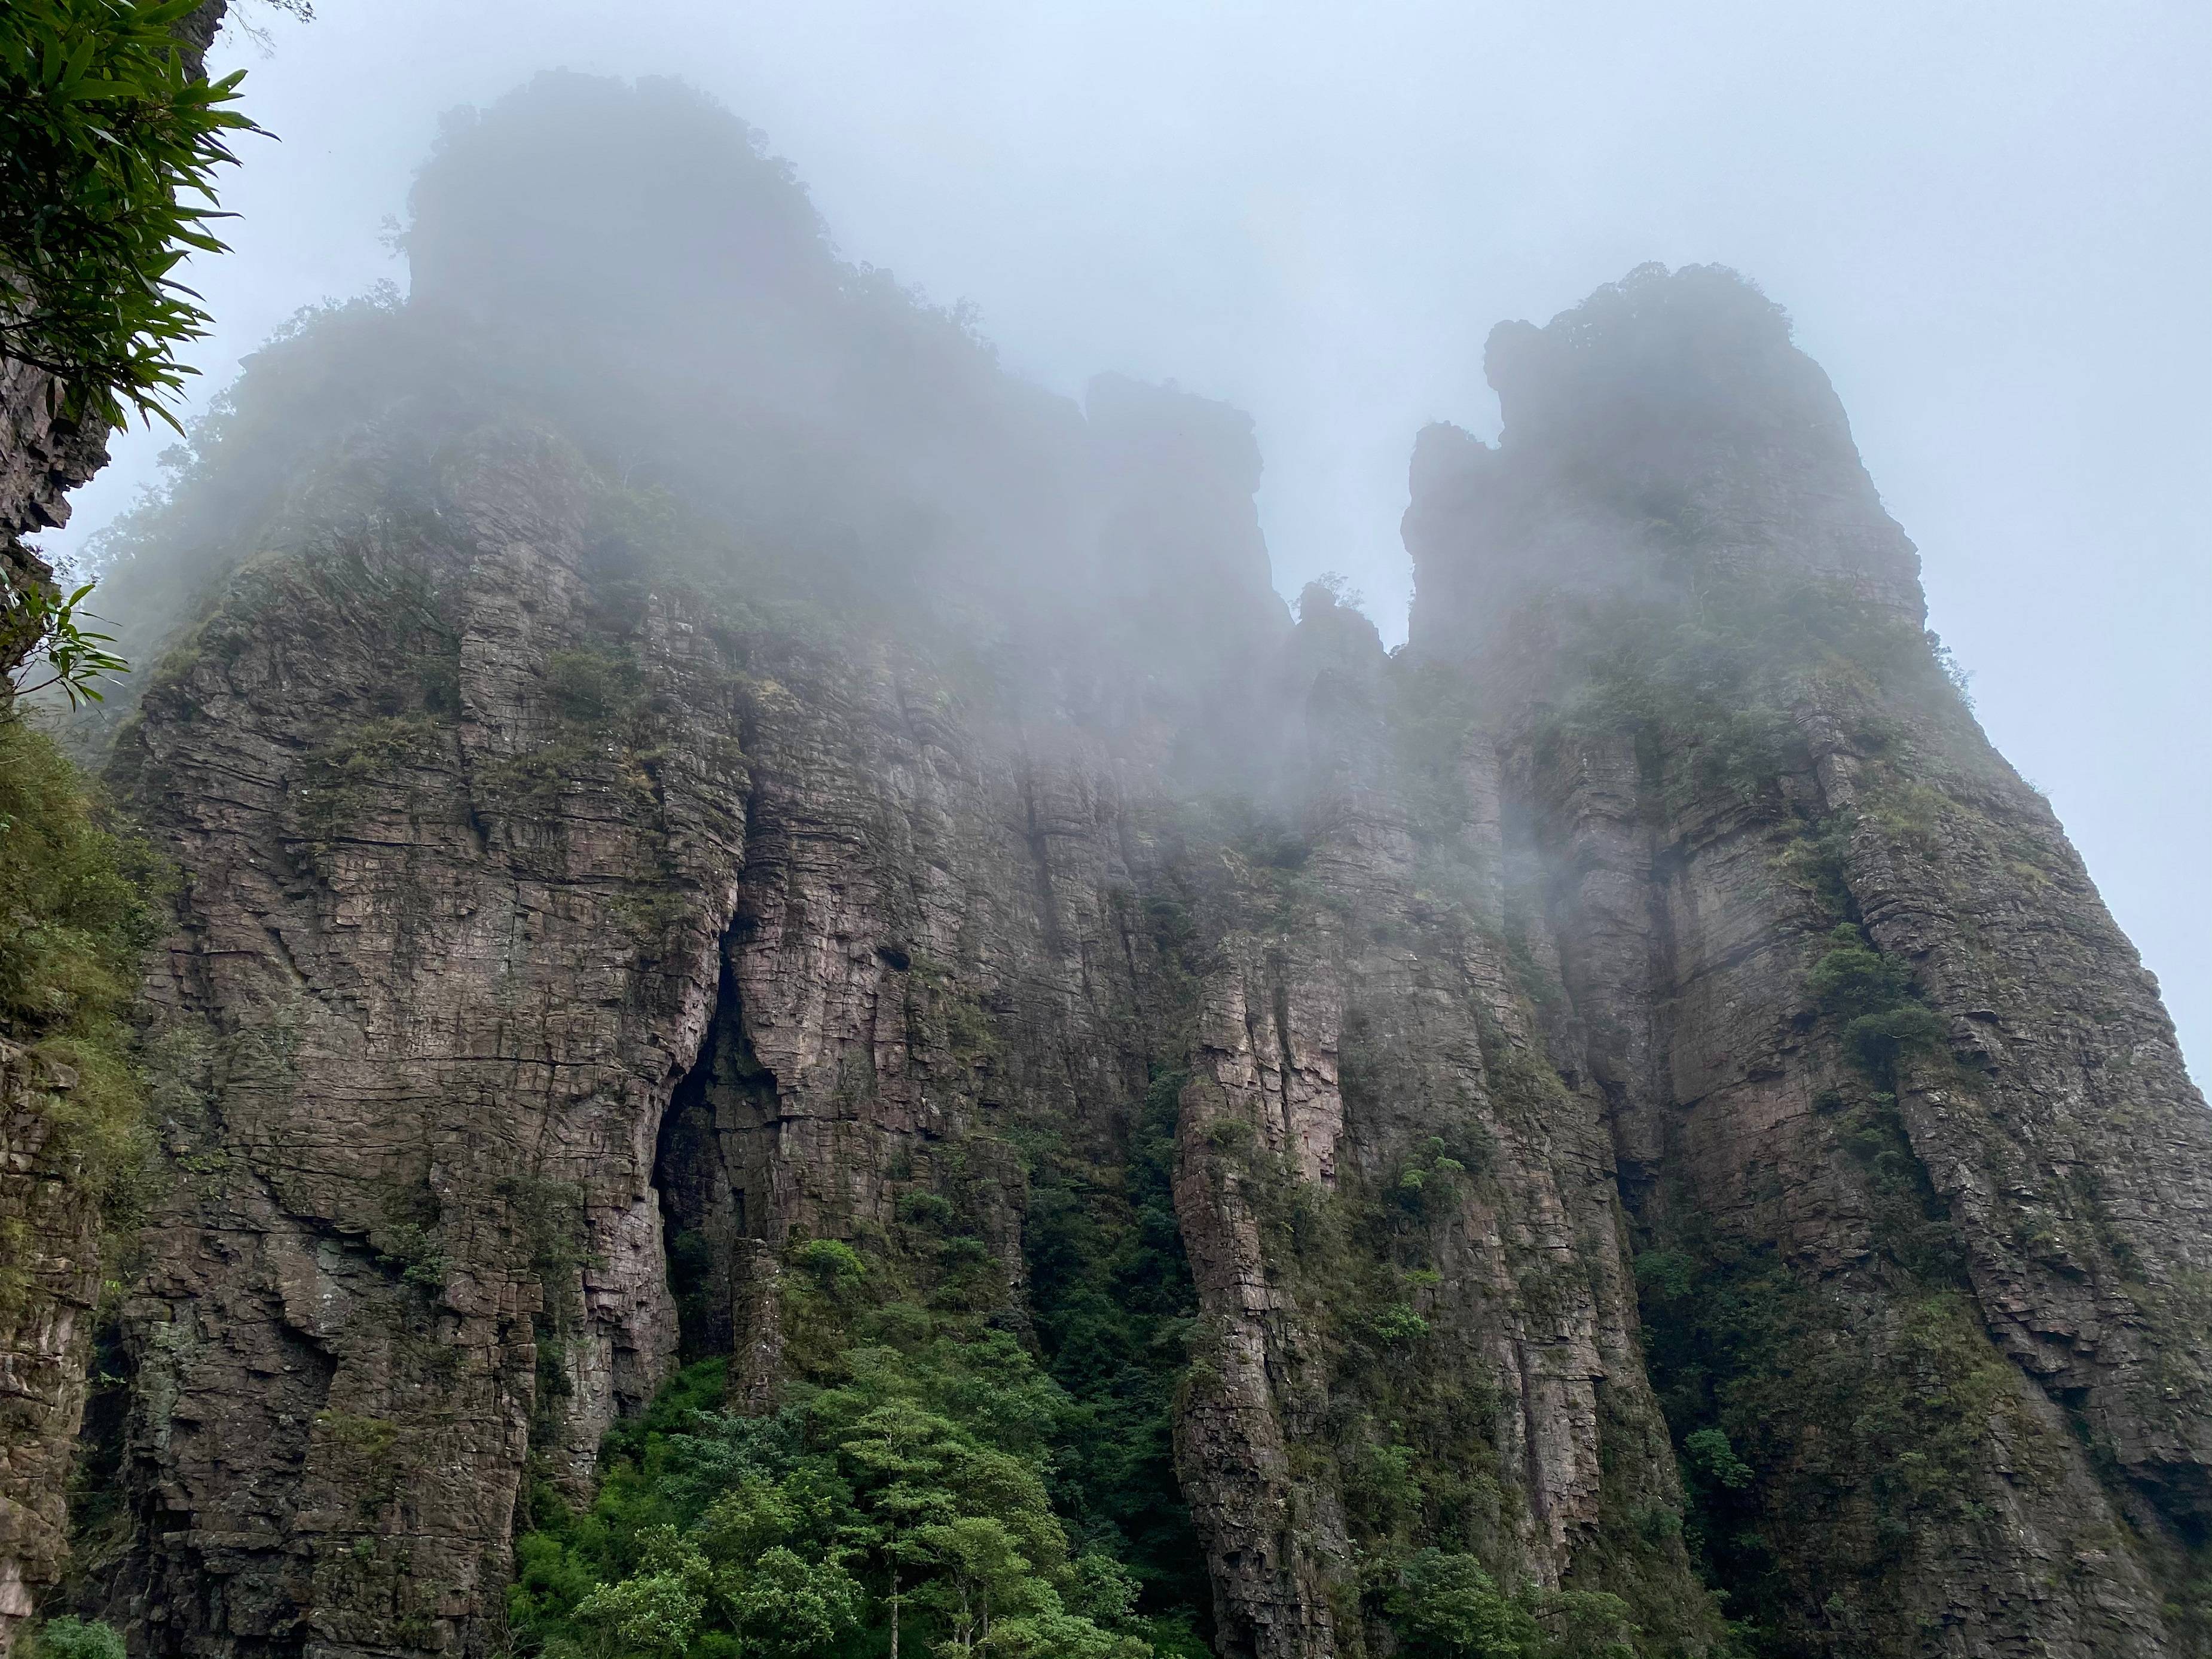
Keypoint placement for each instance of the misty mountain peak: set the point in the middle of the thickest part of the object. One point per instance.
(1666, 433)
(575, 194)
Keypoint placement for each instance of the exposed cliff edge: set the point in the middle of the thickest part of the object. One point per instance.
(1645, 1100)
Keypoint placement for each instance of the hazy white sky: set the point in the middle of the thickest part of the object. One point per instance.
(1989, 217)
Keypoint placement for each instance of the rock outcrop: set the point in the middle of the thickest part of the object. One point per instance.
(1939, 1250)
(42, 457)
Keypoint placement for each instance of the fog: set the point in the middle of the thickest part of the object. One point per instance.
(1987, 221)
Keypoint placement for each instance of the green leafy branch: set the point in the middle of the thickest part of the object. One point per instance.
(75, 657)
(105, 132)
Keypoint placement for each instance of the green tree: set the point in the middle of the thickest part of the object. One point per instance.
(1709, 1454)
(1446, 1606)
(895, 1454)
(651, 1614)
(909, 1501)
(977, 1570)
(786, 1607)
(45, 623)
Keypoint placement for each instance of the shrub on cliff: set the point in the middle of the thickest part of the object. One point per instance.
(1874, 994)
(74, 1639)
(72, 922)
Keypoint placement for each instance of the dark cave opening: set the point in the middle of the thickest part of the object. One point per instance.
(708, 1178)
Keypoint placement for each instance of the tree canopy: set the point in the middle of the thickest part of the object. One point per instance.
(907, 1504)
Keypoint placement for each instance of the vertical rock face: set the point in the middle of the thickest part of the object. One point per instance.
(1901, 1124)
(600, 882)
(42, 457)
(50, 1231)
(573, 929)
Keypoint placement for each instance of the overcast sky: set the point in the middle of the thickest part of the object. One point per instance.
(1989, 222)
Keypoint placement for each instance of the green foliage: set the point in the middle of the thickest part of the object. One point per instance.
(69, 1637)
(913, 1491)
(1873, 994)
(1430, 1187)
(106, 138)
(1812, 862)
(657, 1613)
(930, 1211)
(45, 623)
(1444, 1606)
(411, 1250)
(1398, 1322)
(73, 921)
(593, 688)
(1708, 1452)
(835, 1267)
(1854, 979)
(1875, 1042)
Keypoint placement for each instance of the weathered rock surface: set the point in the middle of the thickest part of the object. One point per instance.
(42, 457)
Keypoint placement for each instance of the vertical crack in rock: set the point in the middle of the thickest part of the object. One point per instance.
(711, 1169)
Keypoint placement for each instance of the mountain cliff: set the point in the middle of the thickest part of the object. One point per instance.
(1901, 1127)
(741, 873)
